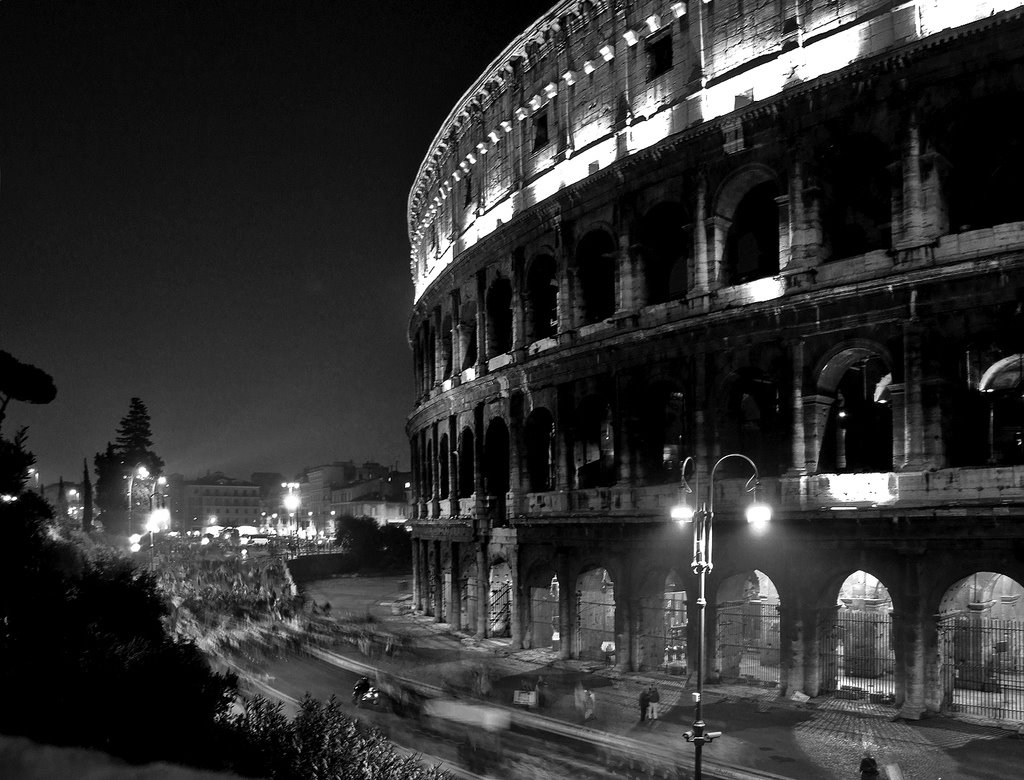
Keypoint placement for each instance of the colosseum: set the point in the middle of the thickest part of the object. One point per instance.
(654, 235)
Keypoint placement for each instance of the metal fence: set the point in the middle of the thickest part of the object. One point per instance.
(855, 654)
(595, 625)
(982, 666)
(662, 636)
(748, 642)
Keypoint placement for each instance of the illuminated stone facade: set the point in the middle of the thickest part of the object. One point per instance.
(788, 229)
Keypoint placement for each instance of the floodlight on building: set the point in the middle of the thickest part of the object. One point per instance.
(569, 77)
(551, 89)
(630, 37)
(506, 126)
(589, 67)
(608, 52)
(678, 10)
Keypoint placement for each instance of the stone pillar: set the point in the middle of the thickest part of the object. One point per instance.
(913, 415)
(453, 465)
(519, 599)
(456, 338)
(805, 251)
(625, 423)
(453, 599)
(910, 628)
(913, 200)
(630, 278)
(518, 318)
(798, 452)
(417, 572)
(438, 347)
(438, 582)
(624, 617)
(483, 586)
(701, 259)
(435, 471)
(700, 423)
(899, 446)
(815, 415)
(718, 231)
(785, 231)
(482, 346)
(792, 647)
(566, 608)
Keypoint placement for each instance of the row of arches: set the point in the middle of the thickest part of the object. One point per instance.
(855, 423)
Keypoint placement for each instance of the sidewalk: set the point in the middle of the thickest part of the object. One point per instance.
(764, 736)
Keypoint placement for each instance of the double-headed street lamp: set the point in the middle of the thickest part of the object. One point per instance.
(702, 515)
(291, 502)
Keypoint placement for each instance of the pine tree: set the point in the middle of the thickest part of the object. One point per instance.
(134, 442)
(86, 498)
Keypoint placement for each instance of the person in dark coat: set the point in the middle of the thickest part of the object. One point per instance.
(644, 701)
(652, 703)
(868, 767)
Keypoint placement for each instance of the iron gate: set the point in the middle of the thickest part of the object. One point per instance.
(595, 625)
(982, 666)
(748, 641)
(855, 654)
(501, 610)
(662, 633)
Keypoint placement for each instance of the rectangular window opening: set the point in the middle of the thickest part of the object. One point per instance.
(540, 130)
(659, 56)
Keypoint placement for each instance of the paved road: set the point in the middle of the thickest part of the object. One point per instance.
(763, 734)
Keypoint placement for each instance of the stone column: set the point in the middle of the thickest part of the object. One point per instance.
(909, 630)
(482, 346)
(518, 600)
(899, 446)
(456, 338)
(913, 200)
(700, 424)
(785, 231)
(630, 278)
(438, 347)
(518, 314)
(435, 471)
(483, 590)
(454, 601)
(792, 646)
(417, 572)
(566, 607)
(453, 465)
(438, 582)
(798, 451)
(701, 259)
(913, 416)
(718, 231)
(815, 416)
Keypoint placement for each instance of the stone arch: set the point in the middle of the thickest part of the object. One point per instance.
(853, 420)
(594, 436)
(663, 248)
(748, 628)
(541, 297)
(467, 463)
(747, 209)
(499, 317)
(539, 433)
(855, 638)
(1001, 386)
(981, 647)
(595, 261)
(595, 614)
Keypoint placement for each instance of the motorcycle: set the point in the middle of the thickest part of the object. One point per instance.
(365, 694)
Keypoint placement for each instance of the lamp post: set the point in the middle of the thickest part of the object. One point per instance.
(143, 473)
(291, 502)
(702, 515)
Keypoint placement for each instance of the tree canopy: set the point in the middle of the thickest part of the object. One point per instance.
(23, 382)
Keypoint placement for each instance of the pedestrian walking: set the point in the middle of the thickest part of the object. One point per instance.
(644, 704)
(589, 704)
(652, 703)
(868, 767)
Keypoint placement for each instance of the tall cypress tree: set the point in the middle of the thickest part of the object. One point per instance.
(134, 442)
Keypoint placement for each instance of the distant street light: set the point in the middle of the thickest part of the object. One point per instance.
(702, 515)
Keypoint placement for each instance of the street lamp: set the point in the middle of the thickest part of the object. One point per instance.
(141, 472)
(702, 515)
(291, 502)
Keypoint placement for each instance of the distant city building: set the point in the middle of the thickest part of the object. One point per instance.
(330, 490)
(385, 499)
(214, 499)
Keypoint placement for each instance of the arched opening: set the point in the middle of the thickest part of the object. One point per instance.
(541, 299)
(856, 197)
(466, 464)
(540, 442)
(496, 465)
(500, 618)
(855, 641)
(662, 632)
(664, 251)
(981, 647)
(430, 357)
(983, 144)
(446, 347)
(858, 433)
(429, 475)
(1002, 387)
(748, 628)
(752, 241)
(442, 468)
(467, 335)
(544, 611)
(662, 446)
(753, 423)
(499, 317)
(595, 616)
(595, 444)
(595, 267)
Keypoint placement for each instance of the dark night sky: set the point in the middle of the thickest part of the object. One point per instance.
(203, 204)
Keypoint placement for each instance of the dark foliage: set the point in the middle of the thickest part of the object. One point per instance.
(23, 382)
(86, 499)
(371, 547)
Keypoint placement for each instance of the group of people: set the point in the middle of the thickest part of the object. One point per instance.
(649, 699)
